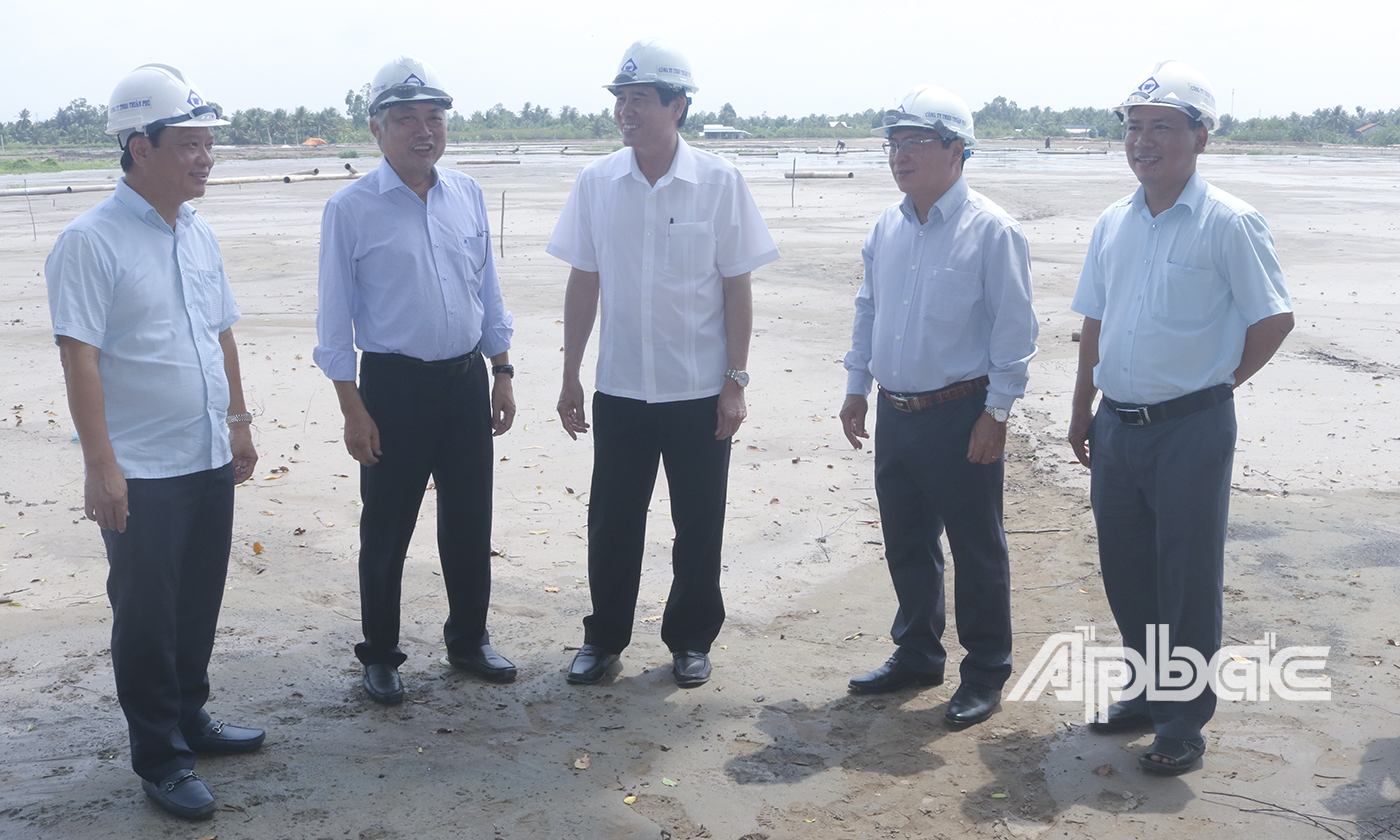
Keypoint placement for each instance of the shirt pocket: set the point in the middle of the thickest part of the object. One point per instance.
(690, 249)
(473, 256)
(208, 289)
(1185, 294)
(949, 295)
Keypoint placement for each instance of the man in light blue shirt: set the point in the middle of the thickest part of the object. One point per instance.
(1183, 300)
(143, 315)
(407, 276)
(944, 322)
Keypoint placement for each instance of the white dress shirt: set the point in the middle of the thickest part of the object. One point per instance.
(1176, 292)
(661, 254)
(153, 300)
(400, 275)
(945, 301)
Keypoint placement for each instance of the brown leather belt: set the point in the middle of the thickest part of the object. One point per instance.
(927, 399)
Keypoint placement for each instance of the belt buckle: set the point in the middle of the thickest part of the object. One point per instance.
(1133, 416)
(901, 403)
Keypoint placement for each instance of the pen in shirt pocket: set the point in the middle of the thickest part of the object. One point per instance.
(669, 226)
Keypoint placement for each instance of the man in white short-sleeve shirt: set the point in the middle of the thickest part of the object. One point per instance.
(666, 237)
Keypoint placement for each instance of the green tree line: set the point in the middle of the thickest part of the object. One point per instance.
(81, 124)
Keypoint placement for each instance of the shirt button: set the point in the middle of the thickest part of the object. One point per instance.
(913, 267)
(906, 303)
(898, 337)
(921, 233)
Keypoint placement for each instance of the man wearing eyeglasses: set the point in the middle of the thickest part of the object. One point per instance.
(944, 323)
(407, 277)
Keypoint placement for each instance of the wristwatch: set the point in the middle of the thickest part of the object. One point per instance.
(508, 370)
(997, 414)
(739, 376)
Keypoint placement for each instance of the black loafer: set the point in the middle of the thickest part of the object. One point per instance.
(182, 794)
(383, 685)
(485, 663)
(218, 737)
(892, 676)
(1120, 718)
(690, 667)
(972, 703)
(589, 665)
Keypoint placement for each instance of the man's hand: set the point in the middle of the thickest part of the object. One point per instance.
(245, 457)
(988, 440)
(571, 413)
(104, 498)
(502, 405)
(732, 409)
(362, 437)
(853, 412)
(1079, 435)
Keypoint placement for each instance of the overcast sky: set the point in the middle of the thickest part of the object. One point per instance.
(814, 56)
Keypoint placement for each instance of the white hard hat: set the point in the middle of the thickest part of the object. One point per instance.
(652, 61)
(406, 79)
(1175, 84)
(157, 94)
(932, 108)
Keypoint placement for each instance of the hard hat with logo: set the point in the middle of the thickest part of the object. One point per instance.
(652, 61)
(406, 79)
(931, 108)
(157, 95)
(1175, 84)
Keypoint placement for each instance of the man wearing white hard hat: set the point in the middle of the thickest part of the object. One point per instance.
(665, 237)
(407, 277)
(143, 315)
(1183, 300)
(944, 324)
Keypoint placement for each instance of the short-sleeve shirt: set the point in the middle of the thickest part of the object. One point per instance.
(945, 301)
(153, 300)
(661, 254)
(401, 275)
(1176, 292)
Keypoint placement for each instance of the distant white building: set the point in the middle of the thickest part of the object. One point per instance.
(722, 132)
(1078, 129)
(837, 124)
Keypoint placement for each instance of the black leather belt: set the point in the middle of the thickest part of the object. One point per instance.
(927, 399)
(456, 363)
(1142, 415)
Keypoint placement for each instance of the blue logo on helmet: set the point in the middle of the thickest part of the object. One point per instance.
(414, 80)
(194, 99)
(1149, 85)
(629, 66)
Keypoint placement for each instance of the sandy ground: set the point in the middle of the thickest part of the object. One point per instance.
(773, 746)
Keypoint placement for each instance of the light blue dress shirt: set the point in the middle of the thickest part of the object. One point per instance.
(1177, 292)
(398, 275)
(153, 300)
(945, 301)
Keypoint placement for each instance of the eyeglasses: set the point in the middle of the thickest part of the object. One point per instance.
(910, 144)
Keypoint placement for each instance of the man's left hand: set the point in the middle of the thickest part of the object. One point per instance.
(245, 457)
(732, 410)
(988, 440)
(502, 406)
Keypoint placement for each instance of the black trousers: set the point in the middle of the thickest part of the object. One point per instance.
(925, 483)
(165, 582)
(629, 438)
(434, 420)
(1161, 499)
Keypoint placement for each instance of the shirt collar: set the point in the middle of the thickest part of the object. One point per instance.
(1191, 195)
(945, 206)
(682, 166)
(390, 180)
(138, 206)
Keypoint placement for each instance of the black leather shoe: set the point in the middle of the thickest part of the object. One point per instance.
(218, 737)
(383, 685)
(1120, 718)
(182, 794)
(485, 663)
(972, 703)
(691, 668)
(589, 665)
(892, 676)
